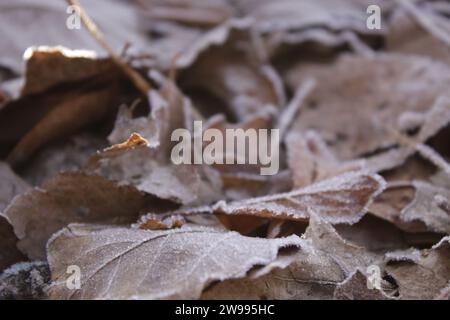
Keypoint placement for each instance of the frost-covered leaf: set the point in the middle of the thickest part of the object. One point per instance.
(425, 278)
(311, 160)
(325, 260)
(136, 166)
(70, 197)
(426, 207)
(355, 288)
(20, 32)
(229, 70)
(378, 91)
(119, 263)
(343, 199)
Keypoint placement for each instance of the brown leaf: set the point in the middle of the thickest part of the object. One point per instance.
(378, 91)
(184, 184)
(425, 207)
(66, 118)
(325, 260)
(311, 160)
(342, 199)
(227, 70)
(161, 222)
(142, 264)
(425, 278)
(76, 96)
(18, 35)
(355, 288)
(70, 197)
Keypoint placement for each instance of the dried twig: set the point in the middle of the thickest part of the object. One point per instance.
(141, 84)
(291, 110)
(426, 22)
(425, 151)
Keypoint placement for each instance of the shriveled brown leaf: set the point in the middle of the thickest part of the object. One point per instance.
(119, 263)
(170, 110)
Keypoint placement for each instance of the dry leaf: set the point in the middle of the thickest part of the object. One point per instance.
(119, 263)
(355, 288)
(70, 197)
(425, 278)
(379, 90)
(325, 259)
(343, 199)
(19, 34)
(311, 160)
(184, 184)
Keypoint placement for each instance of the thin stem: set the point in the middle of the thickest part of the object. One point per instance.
(140, 83)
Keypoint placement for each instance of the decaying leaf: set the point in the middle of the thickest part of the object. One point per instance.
(119, 263)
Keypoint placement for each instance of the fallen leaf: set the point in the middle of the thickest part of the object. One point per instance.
(355, 288)
(425, 278)
(119, 263)
(70, 197)
(343, 199)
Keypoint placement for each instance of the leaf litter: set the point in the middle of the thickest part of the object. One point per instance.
(87, 177)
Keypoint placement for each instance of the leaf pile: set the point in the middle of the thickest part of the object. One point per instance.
(87, 178)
